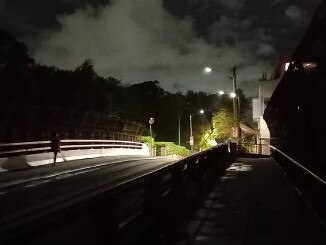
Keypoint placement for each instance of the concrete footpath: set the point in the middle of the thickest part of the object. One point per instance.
(254, 203)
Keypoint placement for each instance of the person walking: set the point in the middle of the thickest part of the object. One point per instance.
(55, 146)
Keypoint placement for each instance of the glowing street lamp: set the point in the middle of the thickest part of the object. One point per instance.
(208, 69)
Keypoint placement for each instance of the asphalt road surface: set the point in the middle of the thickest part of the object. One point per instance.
(26, 191)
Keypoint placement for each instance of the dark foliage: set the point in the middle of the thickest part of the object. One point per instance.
(25, 84)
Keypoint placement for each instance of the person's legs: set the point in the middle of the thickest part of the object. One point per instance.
(55, 158)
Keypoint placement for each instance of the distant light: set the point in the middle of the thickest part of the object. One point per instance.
(201, 111)
(309, 65)
(221, 92)
(287, 64)
(233, 95)
(298, 107)
(208, 69)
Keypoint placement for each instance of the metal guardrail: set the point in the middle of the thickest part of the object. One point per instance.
(124, 212)
(296, 163)
(316, 177)
(308, 184)
(19, 148)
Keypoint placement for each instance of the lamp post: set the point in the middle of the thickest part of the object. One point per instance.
(235, 97)
(151, 121)
(179, 131)
(201, 111)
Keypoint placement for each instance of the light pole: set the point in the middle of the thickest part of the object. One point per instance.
(201, 111)
(151, 121)
(235, 99)
(179, 131)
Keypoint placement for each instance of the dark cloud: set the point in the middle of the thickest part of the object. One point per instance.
(22, 17)
(232, 4)
(276, 2)
(170, 41)
(296, 14)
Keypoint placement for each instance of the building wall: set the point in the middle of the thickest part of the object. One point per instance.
(265, 91)
(294, 114)
(264, 137)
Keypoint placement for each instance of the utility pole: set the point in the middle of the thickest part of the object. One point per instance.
(179, 131)
(191, 141)
(236, 104)
(151, 121)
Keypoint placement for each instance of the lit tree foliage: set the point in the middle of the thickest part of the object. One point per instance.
(222, 124)
(205, 138)
(219, 131)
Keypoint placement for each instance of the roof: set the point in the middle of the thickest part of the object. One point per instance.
(248, 130)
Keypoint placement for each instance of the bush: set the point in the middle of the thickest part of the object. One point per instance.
(147, 140)
(171, 149)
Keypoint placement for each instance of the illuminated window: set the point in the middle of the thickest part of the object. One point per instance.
(309, 65)
(287, 64)
(306, 65)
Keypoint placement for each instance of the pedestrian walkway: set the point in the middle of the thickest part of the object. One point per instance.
(254, 203)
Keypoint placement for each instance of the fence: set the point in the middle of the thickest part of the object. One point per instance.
(144, 207)
(27, 123)
(25, 148)
(15, 156)
(308, 183)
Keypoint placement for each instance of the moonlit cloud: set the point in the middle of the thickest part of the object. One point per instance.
(165, 40)
(142, 41)
(296, 14)
(265, 49)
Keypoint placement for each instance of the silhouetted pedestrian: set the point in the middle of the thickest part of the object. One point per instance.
(55, 146)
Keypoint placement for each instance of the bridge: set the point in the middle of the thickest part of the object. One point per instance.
(218, 196)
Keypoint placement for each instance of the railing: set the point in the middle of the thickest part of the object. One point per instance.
(143, 207)
(307, 171)
(308, 183)
(21, 123)
(25, 148)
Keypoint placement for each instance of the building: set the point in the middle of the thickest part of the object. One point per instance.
(266, 86)
(296, 111)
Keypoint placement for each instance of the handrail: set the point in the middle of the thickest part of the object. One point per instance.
(297, 164)
(66, 141)
(37, 146)
(165, 183)
(25, 143)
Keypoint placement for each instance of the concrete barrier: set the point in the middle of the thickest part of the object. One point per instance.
(33, 160)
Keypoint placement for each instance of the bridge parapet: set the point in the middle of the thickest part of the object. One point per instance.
(20, 155)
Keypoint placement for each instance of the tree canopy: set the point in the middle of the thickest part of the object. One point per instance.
(28, 84)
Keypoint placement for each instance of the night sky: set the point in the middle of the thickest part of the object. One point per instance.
(165, 40)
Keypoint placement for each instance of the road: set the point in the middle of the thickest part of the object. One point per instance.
(253, 202)
(36, 190)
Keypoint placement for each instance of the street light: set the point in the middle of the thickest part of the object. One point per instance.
(208, 69)
(201, 111)
(233, 95)
(151, 122)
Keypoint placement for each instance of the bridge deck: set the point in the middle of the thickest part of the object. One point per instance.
(255, 203)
